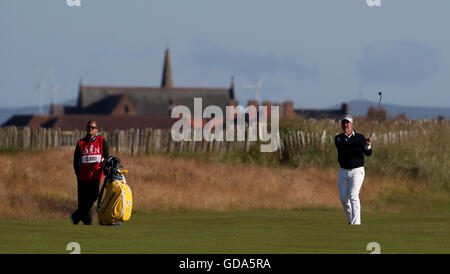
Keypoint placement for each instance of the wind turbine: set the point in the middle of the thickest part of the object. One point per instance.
(54, 87)
(42, 88)
(257, 88)
(46, 88)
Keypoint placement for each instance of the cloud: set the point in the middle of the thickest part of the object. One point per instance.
(398, 62)
(248, 64)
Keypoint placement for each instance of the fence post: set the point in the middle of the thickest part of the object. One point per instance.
(324, 137)
(121, 141)
(135, 142)
(157, 139)
(149, 140)
(26, 138)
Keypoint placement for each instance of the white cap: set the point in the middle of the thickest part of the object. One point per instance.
(347, 117)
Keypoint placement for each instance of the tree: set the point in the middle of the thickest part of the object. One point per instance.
(401, 116)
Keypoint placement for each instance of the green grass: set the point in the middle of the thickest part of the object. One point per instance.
(262, 231)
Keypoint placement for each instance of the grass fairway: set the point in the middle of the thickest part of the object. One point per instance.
(261, 231)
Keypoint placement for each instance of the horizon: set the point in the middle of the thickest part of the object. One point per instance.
(335, 105)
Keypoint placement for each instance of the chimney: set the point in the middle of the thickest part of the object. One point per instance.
(288, 109)
(254, 103)
(80, 95)
(345, 109)
(56, 109)
(268, 105)
(253, 115)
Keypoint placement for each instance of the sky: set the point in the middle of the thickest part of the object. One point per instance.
(316, 53)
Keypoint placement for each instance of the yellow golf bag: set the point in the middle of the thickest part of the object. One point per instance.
(114, 207)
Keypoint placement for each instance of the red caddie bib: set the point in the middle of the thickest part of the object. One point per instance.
(91, 159)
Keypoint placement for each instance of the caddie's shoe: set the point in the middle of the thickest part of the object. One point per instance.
(72, 220)
(87, 221)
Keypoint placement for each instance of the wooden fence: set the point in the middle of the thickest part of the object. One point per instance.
(147, 141)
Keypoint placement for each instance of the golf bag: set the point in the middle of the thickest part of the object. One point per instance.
(115, 206)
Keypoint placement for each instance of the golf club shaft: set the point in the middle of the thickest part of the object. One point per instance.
(376, 114)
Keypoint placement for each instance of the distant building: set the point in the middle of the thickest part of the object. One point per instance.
(324, 113)
(287, 110)
(122, 107)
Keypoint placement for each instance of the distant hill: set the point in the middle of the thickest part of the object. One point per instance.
(359, 107)
(6, 113)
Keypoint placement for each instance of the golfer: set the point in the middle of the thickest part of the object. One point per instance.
(351, 148)
(88, 159)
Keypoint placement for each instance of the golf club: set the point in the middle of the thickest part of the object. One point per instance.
(376, 113)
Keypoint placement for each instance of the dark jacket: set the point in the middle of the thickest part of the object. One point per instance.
(351, 150)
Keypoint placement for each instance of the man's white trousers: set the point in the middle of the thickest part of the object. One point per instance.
(349, 183)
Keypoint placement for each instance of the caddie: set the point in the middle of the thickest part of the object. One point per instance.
(88, 160)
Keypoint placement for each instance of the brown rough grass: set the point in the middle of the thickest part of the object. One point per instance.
(43, 185)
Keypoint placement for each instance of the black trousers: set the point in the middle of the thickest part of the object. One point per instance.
(87, 195)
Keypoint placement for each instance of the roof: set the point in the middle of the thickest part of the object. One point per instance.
(105, 122)
(154, 101)
(319, 113)
(32, 121)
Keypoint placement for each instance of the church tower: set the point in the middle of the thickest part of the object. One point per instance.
(167, 81)
(231, 90)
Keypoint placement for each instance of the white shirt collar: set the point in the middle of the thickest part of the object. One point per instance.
(351, 134)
